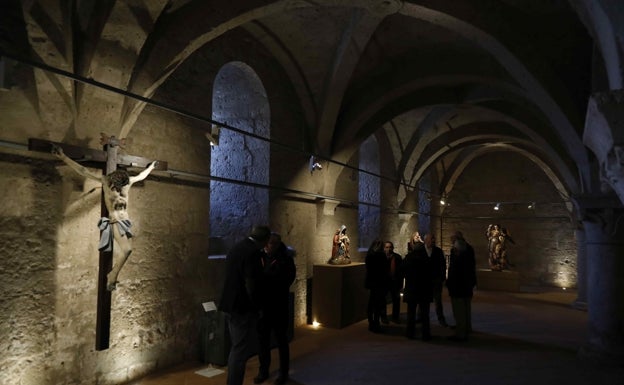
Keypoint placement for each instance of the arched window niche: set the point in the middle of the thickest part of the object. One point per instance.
(239, 99)
(369, 191)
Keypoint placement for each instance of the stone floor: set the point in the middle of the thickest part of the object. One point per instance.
(531, 337)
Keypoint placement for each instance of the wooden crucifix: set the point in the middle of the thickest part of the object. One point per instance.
(114, 224)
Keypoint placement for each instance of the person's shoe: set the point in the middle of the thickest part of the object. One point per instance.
(444, 324)
(426, 337)
(260, 378)
(384, 320)
(281, 380)
(396, 320)
(455, 339)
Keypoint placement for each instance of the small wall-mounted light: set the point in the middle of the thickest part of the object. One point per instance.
(213, 135)
(497, 206)
(442, 201)
(314, 164)
(531, 206)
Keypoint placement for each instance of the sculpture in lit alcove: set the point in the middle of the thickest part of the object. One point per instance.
(497, 247)
(340, 247)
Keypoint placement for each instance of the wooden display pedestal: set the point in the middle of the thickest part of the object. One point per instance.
(498, 280)
(339, 298)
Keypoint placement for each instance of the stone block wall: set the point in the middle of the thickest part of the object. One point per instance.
(49, 269)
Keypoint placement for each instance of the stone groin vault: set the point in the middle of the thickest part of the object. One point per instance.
(402, 104)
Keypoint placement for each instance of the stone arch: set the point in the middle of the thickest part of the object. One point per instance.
(470, 153)
(239, 163)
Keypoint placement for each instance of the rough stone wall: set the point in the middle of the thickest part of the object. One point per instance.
(300, 218)
(544, 252)
(239, 99)
(424, 205)
(369, 192)
(49, 269)
(29, 218)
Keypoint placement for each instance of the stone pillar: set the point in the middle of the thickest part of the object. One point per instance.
(604, 135)
(604, 234)
(581, 270)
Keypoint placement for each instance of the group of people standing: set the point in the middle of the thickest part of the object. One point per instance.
(421, 276)
(255, 298)
(260, 269)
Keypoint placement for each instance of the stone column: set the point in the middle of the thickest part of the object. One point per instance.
(604, 135)
(581, 270)
(604, 234)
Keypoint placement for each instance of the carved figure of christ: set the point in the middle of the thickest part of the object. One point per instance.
(115, 223)
(116, 227)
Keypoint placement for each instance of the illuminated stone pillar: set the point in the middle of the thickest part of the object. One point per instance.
(604, 239)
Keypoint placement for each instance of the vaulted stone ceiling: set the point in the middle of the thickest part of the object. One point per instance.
(437, 81)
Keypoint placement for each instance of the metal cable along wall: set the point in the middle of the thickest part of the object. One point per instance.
(175, 176)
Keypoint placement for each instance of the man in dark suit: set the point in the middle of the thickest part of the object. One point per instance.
(418, 292)
(240, 298)
(438, 275)
(395, 281)
(279, 273)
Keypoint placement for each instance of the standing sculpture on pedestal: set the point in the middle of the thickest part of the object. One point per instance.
(340, 247)
(497, 239)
